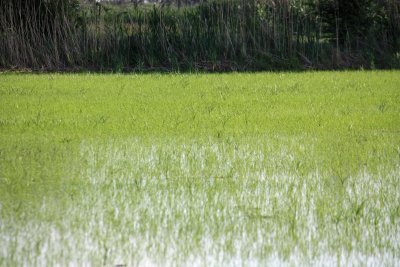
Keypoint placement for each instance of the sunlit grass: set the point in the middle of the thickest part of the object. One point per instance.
(232, 169)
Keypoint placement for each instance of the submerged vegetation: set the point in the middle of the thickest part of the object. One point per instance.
(240, 169)
(205, 170)
(218, 35)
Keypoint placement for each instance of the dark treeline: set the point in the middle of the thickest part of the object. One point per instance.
(210, 35)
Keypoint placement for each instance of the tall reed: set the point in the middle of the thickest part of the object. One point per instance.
(211, 35)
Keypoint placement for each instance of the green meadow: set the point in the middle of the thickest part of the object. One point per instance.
(240, 169)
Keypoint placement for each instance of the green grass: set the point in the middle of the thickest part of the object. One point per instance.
(209, 170)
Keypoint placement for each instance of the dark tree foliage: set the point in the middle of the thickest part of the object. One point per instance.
(351, 18)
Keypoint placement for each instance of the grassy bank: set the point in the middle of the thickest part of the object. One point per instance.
(219, 169)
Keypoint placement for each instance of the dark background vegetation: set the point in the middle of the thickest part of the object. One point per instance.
(189, 35)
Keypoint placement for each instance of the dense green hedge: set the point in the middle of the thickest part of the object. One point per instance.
(214, 35)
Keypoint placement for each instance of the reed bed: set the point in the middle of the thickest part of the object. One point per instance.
(211, 35)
